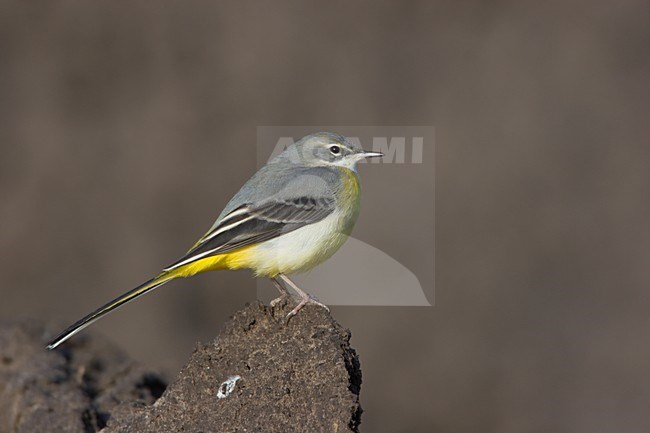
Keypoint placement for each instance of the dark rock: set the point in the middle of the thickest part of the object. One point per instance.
(261, 374)
(72, 389)
(300, 376)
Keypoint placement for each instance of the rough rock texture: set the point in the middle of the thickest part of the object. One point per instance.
(300, 376)
(297, 377)
(72, 389)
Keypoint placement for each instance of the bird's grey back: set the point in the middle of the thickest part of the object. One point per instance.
(283, 180)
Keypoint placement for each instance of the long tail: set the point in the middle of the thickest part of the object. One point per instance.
(107, 308)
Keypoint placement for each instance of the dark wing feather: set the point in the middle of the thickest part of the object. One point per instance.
(248, 225)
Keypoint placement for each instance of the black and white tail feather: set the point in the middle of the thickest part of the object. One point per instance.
(246, 225)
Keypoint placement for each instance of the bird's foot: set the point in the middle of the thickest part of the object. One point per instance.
(278, 300)
(284, 294)
(304, 300)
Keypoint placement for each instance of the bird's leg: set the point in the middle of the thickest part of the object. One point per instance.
(284, 294)
(305, 298)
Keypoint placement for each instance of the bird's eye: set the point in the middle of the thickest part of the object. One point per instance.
(335, 150)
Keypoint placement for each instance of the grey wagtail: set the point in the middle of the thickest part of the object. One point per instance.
(292, 215)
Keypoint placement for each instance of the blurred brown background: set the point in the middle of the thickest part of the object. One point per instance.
(125, 126)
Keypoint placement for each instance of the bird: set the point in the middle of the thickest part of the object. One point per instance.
(293, 214)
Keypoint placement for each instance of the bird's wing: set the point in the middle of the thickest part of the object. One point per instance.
(251, 224)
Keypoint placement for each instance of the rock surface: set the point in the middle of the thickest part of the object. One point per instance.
(297, 377)
(73, 389)
(260, 374)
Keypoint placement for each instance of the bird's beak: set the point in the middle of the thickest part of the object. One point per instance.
(369, 154)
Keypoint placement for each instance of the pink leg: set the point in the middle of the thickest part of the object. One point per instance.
(284, 294)
(305, 298)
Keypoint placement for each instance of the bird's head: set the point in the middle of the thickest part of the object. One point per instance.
(327, 148)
